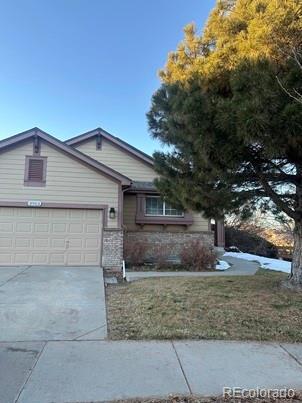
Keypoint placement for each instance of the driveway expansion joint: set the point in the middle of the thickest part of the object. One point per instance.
(30, 373)
(89, 332)
(182, 369)
(16, 275)
(291, 355)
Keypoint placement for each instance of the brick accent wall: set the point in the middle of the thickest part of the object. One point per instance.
(174, 241)
(112, 249)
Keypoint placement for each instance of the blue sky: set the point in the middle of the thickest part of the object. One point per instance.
(68, 66)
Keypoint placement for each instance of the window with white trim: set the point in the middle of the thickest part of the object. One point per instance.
(155, 206)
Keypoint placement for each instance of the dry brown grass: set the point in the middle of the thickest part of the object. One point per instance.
(231, 308)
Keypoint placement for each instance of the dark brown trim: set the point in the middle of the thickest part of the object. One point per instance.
(220, 233)
(81, 206)
(152, 192)
(187, 219)
(120, 207)
(28, 182)
(141, 218)
(98, 142)
(70, 151)
(134, 152)
(36, 145)
(106, 215)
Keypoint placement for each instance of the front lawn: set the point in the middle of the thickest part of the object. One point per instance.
(231, 308)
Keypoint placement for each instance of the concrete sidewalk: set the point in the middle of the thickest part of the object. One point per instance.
(94, 371)
(239, 267)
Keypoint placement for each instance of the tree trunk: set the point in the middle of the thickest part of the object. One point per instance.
(296, 270)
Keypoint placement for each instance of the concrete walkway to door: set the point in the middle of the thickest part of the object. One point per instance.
(239, 267)
(52, 303)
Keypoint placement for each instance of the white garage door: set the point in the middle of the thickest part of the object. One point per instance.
(38, 236)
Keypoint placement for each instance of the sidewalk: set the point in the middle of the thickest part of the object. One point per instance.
(95, 371)
(239, 267)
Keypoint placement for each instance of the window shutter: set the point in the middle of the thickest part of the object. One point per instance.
(35, 170)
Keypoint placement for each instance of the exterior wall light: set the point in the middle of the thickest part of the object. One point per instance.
(112, 213)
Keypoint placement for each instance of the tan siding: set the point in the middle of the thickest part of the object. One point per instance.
(129, 212)
(118, 159)
(200, 223)
(67, 181)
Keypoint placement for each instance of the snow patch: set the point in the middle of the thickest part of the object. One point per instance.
(265, 262)
(222, 265)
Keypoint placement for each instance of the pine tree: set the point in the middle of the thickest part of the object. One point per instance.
(227, 112)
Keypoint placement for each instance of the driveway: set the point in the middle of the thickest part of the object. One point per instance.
(40, 303)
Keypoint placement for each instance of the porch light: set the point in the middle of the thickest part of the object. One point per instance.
(112, 213)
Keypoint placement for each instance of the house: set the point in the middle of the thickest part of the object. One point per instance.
(76, 202)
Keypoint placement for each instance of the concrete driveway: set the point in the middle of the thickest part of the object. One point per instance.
(39, 303)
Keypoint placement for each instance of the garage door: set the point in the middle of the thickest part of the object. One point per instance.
(36, 236)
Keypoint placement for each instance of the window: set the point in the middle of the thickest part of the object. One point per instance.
(155, 206)
(35, 171)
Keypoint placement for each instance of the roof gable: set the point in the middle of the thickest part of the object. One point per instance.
(65, 148)
(115, 140)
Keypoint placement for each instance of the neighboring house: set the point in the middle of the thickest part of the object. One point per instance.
(75, 202)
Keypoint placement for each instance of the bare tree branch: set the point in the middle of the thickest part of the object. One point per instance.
(297, 99)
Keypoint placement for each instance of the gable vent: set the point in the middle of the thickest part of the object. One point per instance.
(35, 170)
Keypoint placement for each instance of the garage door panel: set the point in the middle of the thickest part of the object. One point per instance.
(25, 213)
(22, 227)
(41, 227)
(22, 243)
(58, 227)
(78, 214)
(50, 236)
(75, 243)
(92, 243)
(91, 259)
(6, 259)
(76, 228)
(58, 243)
(40, 258)
(92, 228)
(41, 243)
(6, 227)
(60, 213)
(92, 214)
(41, 213)
(74, 258)
(21, 258)
(6, 243)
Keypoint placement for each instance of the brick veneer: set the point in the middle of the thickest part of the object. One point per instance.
(173, 240)
(112, 249)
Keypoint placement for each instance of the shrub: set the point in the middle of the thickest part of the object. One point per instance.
(161, 254)
(134, 252)
(197, 257)
(249, 243)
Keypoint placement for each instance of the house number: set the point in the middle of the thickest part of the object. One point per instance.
(34, 203)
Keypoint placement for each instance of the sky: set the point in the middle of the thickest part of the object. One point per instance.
(69, 66)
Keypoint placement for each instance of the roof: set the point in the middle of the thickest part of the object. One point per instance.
(72, 152)
(140, 186)
(135, 152)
